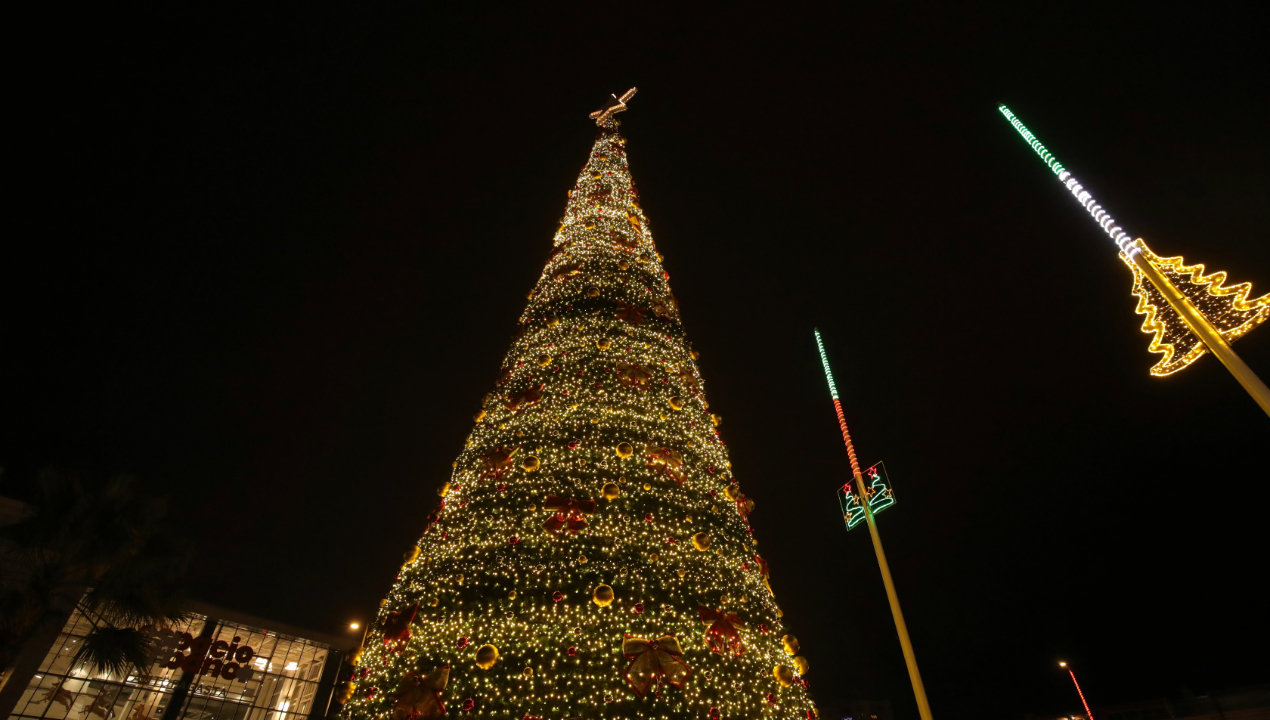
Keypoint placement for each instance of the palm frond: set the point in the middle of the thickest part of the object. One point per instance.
(115, 650)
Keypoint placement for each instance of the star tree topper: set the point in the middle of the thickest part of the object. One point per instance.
(604, 115)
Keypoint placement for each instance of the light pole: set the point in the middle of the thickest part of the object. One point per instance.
(1078, 690)
(861, 499)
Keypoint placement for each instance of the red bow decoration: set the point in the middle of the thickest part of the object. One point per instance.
(569, 513)
(500, 460)
(525, 398)
(420, 697)
(722, 635)
(669, 462)
(628, 374)
(632, 314)
(653, 659)
(397, 626)
(762, 566)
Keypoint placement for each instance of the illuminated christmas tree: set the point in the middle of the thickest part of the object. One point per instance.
(591, 556)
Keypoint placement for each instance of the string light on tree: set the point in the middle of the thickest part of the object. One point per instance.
(591, 516)
(1188, 312)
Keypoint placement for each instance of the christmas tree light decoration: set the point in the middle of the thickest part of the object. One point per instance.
(1226, 307)
(878, 488)
(858, 500)
(1187, 312)
(591, 514)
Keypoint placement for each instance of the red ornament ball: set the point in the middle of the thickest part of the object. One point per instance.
(715, 714)
(771, 699)
(648, 517)
(639, 607)
(513, 540)
(462, 642)
(572, 651)
(468, 705)
(557, 596)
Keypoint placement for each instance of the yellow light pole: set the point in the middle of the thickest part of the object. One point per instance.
(865, 495)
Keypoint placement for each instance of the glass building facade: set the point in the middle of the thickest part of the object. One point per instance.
(205, 669)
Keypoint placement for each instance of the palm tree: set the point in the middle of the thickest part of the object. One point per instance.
(104, 553)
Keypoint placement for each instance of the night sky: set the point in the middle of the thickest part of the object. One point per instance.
(270, 263)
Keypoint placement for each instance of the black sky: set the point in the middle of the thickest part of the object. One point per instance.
(270, 262)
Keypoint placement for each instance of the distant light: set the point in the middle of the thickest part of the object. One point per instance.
(1062, 664)
(354, 626)
(293, 666)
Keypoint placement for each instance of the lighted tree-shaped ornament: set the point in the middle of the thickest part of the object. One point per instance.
(590, 514)
(865, 492)
(1226, 307)
(1187, 312)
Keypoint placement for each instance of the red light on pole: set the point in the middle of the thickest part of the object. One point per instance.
(1079, 692)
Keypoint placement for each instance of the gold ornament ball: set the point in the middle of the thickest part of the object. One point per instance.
(800, 663)
(701, 541)
(593, 292)
(544, 360)
(602, 595)
(486, 656)
(478, 416)
(531, 464)
(412, 554)
(511, 595)
(527, 672)
(582, 559)
(624, 450)
(552, 321)
(611, 491)
(458, 579)
(648, 486)
(383, 603)
(652, 557)
(731, 492)
(681, 572)
(783, 675)
(790, 643)
(433, 602)
(675, 402)
(603, 343)
(444, 490)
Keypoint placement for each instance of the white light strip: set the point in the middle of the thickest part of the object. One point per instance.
(1122, 239)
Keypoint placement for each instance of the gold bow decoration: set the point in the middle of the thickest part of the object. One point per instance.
(687, 379)
(569, 513)
(629, 374)
(525, 398)
(653, 659)
(666, 460)
(420, 697)
(661, 309)
(722, 635)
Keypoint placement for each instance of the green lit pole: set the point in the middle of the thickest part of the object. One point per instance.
(864, 497)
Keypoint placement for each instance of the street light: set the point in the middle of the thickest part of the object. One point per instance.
(354, 626)
(1078, 690)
